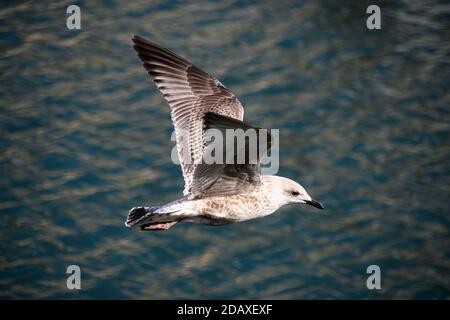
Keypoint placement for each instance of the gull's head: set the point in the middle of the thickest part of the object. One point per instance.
(292, 192)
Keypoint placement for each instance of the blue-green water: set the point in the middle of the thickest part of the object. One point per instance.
(364, 125)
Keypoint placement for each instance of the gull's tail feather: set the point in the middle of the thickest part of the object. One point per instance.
(136, 214)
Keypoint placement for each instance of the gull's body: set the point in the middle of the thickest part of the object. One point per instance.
(259, 201)
(214, 194)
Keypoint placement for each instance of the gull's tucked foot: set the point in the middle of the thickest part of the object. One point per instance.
(158, 226)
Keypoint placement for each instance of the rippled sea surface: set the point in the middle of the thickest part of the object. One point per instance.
(364, 125)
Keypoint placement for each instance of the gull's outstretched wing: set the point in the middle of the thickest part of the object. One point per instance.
(234, 175)
(190, 93)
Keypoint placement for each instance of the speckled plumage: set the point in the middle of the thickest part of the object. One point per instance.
(213, 194)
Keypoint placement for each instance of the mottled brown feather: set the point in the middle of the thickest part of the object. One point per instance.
(190, 93)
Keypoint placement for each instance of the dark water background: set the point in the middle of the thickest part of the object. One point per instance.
(364, 125)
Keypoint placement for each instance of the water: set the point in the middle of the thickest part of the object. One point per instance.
(364, 125)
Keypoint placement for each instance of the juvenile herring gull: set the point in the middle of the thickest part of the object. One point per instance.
(214, 194)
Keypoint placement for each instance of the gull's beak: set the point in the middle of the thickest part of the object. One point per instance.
(315, 204)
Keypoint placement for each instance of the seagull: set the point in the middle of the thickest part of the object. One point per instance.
(214, 194)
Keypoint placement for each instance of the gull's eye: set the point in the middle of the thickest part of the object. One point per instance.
(295, 193)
